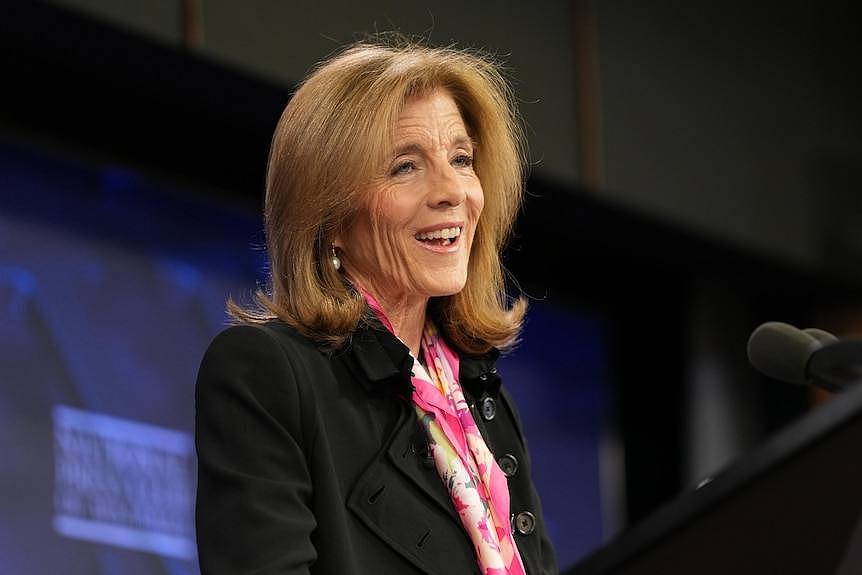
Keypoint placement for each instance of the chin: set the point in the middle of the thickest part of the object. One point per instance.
(445, 288)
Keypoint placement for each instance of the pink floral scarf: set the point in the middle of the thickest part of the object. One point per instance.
(476, 484)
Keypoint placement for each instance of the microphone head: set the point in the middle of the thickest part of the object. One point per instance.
(782, 351)
(824, 337)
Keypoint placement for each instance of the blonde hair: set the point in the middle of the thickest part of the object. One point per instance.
(333, 138)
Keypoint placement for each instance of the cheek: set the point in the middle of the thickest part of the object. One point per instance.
(393, 210)
(477, 201)
(382, 233)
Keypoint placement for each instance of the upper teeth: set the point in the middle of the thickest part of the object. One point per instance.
(445, 233)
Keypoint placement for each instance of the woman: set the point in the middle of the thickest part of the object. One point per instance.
(355, 422)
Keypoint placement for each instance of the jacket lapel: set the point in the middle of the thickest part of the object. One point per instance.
(422, 527)
(385, 366)
(384, 496)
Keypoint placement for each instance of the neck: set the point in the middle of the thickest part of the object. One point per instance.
(408, 320)
(407, 316)
(406, 312)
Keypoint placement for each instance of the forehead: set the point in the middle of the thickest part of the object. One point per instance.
(435, 112)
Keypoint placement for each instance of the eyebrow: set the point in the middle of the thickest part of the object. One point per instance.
(414, 148)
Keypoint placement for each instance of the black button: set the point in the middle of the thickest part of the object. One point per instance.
(508, 465)
(483, 377)
(489, 408)
(524, 522)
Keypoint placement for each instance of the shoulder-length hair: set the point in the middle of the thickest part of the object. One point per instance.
(333, 138)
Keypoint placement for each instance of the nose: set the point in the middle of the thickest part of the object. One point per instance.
(446, 189)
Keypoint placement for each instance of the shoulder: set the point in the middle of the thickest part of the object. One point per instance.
(268, 337)
(273, 341)
(261, 359)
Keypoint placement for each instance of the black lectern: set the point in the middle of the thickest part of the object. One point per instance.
(792, 507)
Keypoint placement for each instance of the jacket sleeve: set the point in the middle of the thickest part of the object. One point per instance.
(253, 511)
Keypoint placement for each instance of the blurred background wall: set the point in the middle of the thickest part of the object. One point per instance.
(694, 172)
(724, 117)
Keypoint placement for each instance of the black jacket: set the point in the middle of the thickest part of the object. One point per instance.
(314, 462)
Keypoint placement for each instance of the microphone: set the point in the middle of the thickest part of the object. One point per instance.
(823, 336)
(814, 356)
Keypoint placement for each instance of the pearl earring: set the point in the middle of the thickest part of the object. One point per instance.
(336, 262)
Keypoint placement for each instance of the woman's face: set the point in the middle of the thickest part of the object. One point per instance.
(414, 237)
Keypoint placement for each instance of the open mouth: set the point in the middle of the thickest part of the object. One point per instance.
(443, 238)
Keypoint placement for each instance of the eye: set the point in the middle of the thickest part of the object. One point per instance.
(403, 168)
(463, 161)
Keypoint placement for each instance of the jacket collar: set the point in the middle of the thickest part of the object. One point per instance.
(383, 360)
(385, 364)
